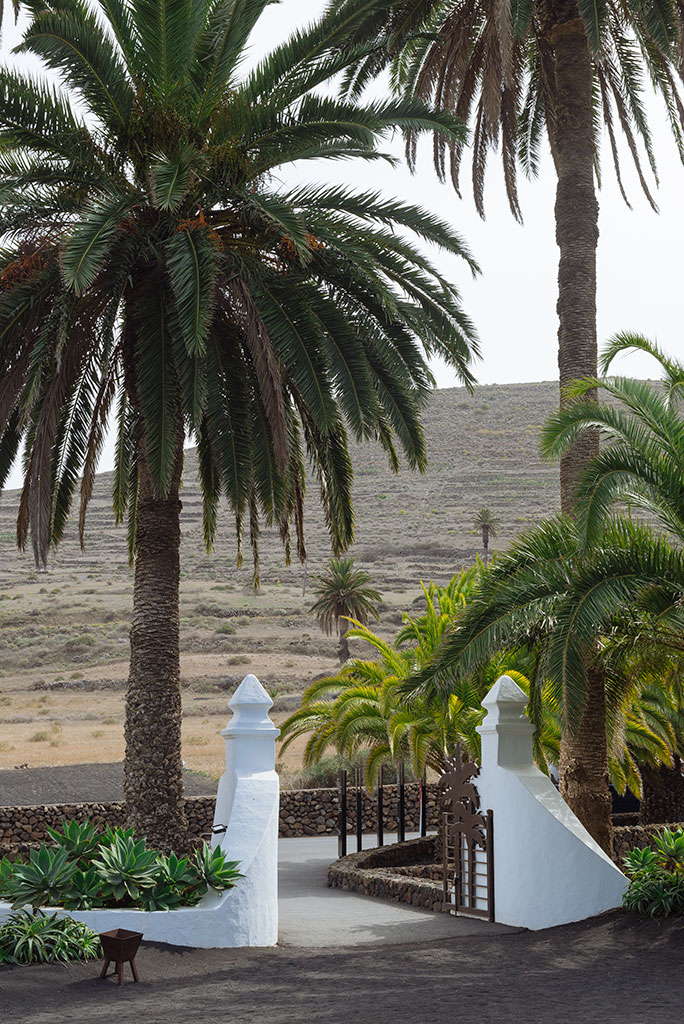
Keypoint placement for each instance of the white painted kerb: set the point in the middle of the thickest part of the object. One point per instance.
(547, 868)
(248, 801)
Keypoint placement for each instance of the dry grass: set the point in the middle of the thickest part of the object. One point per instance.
(64, 633)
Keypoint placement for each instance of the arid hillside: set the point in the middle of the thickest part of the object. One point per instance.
(63, 633)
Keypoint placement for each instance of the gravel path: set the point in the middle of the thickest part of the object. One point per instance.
(78, 783)
(611, 970)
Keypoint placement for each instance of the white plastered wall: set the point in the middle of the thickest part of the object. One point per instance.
(547, 868)
(248, 803)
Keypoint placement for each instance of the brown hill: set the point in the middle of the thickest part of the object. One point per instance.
(63, 634)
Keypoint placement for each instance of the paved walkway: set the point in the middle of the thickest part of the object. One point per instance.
(311, 914)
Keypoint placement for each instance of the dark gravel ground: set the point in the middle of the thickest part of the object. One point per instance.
(613, 969)
(76, 783)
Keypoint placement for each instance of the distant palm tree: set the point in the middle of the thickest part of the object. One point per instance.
(344, 592)
(488, 524)
(153, 262)
(361, 708)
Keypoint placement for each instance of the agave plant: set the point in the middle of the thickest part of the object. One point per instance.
(214, 870)
(126, 867)
(44, 880)
(79, 839)
(84, 891)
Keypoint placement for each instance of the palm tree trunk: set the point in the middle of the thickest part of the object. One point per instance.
(153, 769)
(662, 800)
(576, 213)
(343, 648)
(584, 763)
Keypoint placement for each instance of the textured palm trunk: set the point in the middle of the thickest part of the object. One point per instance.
(153, 771)
(343, 647)
(576, 212)
(662, 800)
(583, 765)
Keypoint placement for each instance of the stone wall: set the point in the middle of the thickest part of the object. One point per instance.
(629, 837)
(307, 812)
(403, 873)
(303, 812)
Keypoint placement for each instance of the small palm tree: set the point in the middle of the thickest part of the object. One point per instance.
(362, 708)
(344, 593)
(488, 524)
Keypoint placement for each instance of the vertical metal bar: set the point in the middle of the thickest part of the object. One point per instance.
(401, 815)
(471, 873)
(342, 823)
(380, 811)
(359, 811)
(446, 881)
(490, 865)
(422, 812)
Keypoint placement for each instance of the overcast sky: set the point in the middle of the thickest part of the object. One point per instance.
(513, 301)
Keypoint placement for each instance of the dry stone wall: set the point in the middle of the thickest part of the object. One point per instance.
(303, 812)
(630, 837)
(403, 873)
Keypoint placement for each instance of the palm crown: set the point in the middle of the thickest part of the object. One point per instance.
(494, 65)
(156, 265)
(344, 592)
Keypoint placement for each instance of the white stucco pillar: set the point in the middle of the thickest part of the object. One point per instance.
(250, 738)
(247, 804)
(547, 868)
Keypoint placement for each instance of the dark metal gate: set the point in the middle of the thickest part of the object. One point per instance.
(468, 844)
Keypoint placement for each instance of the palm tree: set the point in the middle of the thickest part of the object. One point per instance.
(641, 464)
(344, 593)
(488, 524)
(642, 461)
(519, 72)
(154, 265)
(361, 708)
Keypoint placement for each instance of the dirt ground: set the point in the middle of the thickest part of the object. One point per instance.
(610, 970)
(64, 632)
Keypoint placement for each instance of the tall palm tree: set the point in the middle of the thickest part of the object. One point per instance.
(344, 593)
(487, 524)
(520, 71)
(154, 265)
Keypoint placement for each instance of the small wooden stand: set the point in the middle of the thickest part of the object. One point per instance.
(120, 946)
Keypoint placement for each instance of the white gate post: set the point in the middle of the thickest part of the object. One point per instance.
(547, 868)
(247, 805)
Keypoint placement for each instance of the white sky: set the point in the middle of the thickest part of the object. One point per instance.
(513, 302)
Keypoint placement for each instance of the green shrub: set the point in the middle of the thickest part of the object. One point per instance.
(656, 887)
(39, 938)
(215, 872)
(79, 839)
(84, 869)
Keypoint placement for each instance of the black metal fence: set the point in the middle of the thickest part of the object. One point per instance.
(355, 792)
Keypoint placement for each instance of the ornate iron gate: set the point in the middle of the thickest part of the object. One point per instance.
(468, 843)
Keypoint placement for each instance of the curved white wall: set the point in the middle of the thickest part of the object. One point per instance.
(248, 799)
(547, 868)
